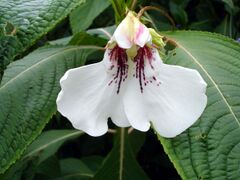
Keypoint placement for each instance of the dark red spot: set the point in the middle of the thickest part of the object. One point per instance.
(144, 53)
(119, 56)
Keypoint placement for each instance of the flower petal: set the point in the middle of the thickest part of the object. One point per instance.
(172, 99)
(82, 100)
(118, 114)
(131, 32)
(177, 102)
(134, 104)
(87, 100)
(142, 35)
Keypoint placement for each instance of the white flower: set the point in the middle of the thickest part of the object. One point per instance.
(133, 87)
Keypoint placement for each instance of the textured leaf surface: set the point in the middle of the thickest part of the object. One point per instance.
(28, 94)
(9, 46)
(42, 149)
(121, 162)
(32, 19)
(82, 17)
(211, 148)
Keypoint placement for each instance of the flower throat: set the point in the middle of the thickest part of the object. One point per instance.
(119, 58)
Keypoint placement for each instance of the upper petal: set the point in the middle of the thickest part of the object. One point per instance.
(142, 35)
(131, 31)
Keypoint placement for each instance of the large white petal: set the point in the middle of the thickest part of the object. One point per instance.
(173, 100)
(87, 100)
(177, 102)
(118, 114)
(134, 103)
(135, 106)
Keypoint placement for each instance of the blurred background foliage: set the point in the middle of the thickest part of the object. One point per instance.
(66, 156)
(220, 16)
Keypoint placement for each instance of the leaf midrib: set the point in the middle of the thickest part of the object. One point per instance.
(44, 60)
(211, 79)
(52, 142)
(75, 175)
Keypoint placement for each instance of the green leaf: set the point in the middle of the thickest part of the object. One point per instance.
(178, 13)
(85, 168)
(45, 146)
(9, 46)
(93, 162)
(83, 38)
(74, 169)
(97, 36)
(82, 17)
(224, 27)
(210, 149)
(31, 19)
(49, 142)
(62, 41)
(28, 94)
(119, 7)
(105, 32)
(229, 3)
(121, 163)
(49, 169)
(137, 139)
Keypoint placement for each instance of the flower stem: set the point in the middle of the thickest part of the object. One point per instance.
(134, 2)
(122, 142)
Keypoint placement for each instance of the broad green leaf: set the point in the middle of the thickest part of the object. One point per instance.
(83, 38)
(72, 169)
(8, 49)
(224, 27)
(105, 32)
(204, 25)
(31, 19)
(229, 3)
(45, 146)
(82, 17)
(119, 7)
(98, 35)
(62, 41)
(93, 162)
(210, 149)
(49, 142)
(121, 162)
(48, 169)
(178, 13)
(137, 138)
(84, 168)
(28, 94)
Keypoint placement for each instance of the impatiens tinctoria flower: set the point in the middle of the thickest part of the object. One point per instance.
(133, 87)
